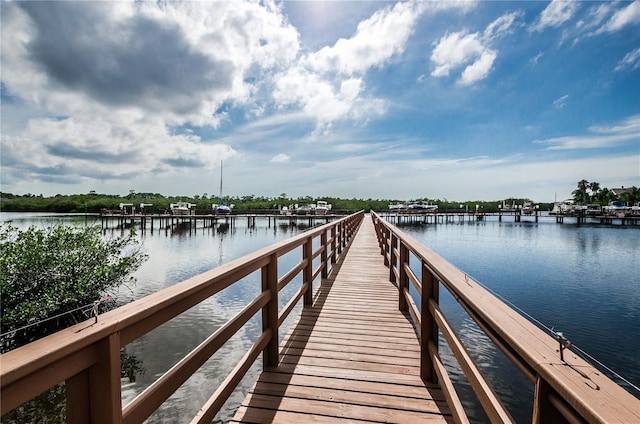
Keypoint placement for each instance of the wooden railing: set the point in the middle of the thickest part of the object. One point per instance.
(87, 356)
(566, 390)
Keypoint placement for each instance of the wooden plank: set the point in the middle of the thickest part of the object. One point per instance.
(354, 397)
(410, 391)
(341, 410)
(352, 356)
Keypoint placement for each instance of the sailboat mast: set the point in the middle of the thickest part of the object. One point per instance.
(220, 182)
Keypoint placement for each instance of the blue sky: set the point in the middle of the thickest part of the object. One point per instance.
(454, 99)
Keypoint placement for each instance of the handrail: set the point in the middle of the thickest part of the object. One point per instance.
(562, 393)
(87, 356)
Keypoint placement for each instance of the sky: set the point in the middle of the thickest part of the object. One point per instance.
(457, 100)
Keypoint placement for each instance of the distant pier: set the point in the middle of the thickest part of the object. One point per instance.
(165, 221)
(459, 217)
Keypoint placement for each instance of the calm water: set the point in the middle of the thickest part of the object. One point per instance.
(582, 281)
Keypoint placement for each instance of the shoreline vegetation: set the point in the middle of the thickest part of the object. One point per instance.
(94, 202)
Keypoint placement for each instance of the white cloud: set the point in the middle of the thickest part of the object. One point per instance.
(108, 91)
(376, 41)
(555, 14)
(471, 51)
(328, 84)
(534, 60)
(502, 26)
(559, 102)
(280, 158)
(605, 137)
(455, 50)
(479, 69)
(630, 61)
(623, 17)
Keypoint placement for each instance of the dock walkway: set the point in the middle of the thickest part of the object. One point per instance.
(351, 356)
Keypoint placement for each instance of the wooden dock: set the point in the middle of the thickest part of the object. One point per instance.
(351, 356)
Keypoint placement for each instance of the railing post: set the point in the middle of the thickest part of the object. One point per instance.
(323, 255)
(94, 395)
(428, 326)
(340, 236)
(393, 261)
(307, 253)
(77, 388)
(543, 409)
(403, 283)
(386, 252)
(271, 354)
(333, 245)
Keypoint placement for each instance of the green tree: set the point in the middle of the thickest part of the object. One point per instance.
(48, 279)
(631, 196)
(49, 272)
(594, 187)
(580, 195)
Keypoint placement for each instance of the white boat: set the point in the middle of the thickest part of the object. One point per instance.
(286, 210)
(566, 207)
(221, 208)
(181, 208)
(304, 210)
(422, 207)
(527, 208)
(322, 207)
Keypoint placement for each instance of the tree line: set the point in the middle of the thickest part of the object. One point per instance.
(591, 193)
(93, 202)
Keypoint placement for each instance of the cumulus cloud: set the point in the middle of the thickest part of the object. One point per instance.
(106, 86)
(328, 84)
(376, 41)
(471, 51)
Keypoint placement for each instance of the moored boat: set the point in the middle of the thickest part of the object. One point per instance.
(422, 207)
(322, 207)
(181, 208)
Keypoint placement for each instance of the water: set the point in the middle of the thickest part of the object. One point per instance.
(581, 280)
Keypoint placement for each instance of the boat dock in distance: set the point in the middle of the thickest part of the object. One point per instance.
(166, 220)
(590, 214)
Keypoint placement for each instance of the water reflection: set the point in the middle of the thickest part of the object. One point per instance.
(581, 280)
(176, 253)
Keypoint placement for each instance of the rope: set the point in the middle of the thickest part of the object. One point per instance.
(554, 333)
(91, 307)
